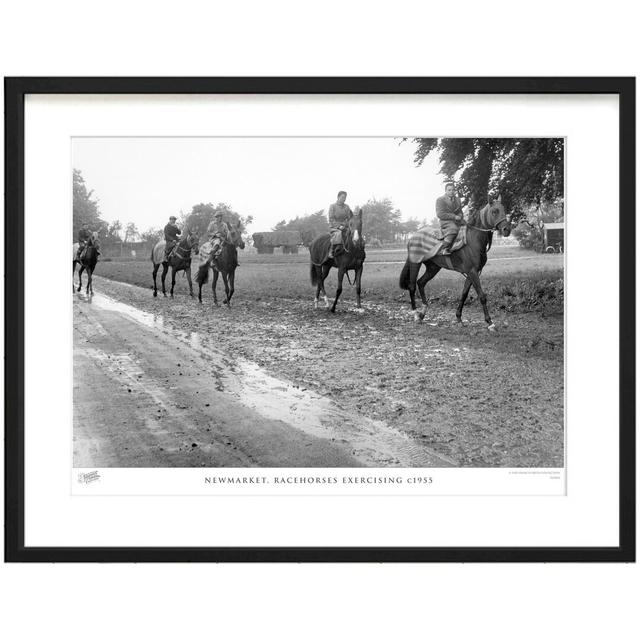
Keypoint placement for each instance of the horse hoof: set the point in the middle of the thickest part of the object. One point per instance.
(155, 294)
(492, 328)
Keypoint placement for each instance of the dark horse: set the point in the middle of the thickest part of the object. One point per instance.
(88, 262)
(468, 260)
(225, 263)
(179, 260)
(351, 257)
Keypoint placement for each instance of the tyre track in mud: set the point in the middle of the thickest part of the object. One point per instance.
(146, 394)
(473, 398)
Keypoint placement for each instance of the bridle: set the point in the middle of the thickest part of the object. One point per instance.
(350, 240)
(483, 220)
(185, 246)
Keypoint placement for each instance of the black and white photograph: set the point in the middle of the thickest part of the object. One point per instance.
(310, 302)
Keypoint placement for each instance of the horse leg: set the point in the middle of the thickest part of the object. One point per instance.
(231, 277)
(324, 273)
(173, 279)
(165, 268)
(341, 273)
(414, 269)
(89, 281)
(225, 280)
(73, 277)
(155, 286)
(317, 272)
(475, 280)
(463, 299)
(188, 272)
(80, 277)
(431, 271)
(214, 284)
(358, 286)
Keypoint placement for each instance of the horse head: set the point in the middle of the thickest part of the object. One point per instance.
(492, 216)
(190, 242)
(235, 236)
(355, 229)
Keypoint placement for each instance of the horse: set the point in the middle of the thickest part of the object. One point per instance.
(225, 263)
(350, 258)
(179, 260)
(88, 261)
(469, 260)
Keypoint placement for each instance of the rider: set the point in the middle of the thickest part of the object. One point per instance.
(218, 232)
(449, 210)
(84, 235)
(339, 215)
(171, 233)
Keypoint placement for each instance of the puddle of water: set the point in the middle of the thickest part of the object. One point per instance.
(372, 442)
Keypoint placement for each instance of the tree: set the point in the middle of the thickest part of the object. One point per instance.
(529, 230)
(381, 220)
(151, 236)
(524, 171)
(408, 227)
(130, 232)
(85, 206)
(310, 226)
(202, 214)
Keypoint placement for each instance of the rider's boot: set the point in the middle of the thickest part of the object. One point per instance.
(446, 245)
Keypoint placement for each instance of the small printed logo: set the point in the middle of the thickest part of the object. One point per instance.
(90, 476)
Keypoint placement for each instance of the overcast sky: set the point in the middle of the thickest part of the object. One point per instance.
(145, 180)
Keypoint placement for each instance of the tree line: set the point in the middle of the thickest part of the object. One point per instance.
(115, 234)
(383, 223)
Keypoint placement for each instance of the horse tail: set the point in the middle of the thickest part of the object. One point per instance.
(404, 276)
(313, 273)
(202, 277)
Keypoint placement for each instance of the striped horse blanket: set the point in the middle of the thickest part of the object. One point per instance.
(205, 252)
(425, 243)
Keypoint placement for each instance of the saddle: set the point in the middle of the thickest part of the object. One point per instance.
(426, 243)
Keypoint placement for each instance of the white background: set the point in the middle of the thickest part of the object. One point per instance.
(587, 516)
(545, 38)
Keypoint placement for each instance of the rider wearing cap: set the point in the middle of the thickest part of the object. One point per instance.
(218, 232)
(171, 233)
(449, 211)
(339, 215)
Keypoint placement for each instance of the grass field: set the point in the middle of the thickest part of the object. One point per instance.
(476, 397)
(514, 279)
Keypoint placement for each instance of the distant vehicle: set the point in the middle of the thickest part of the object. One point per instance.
(552, 238)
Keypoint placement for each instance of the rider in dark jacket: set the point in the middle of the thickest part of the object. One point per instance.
(171, 233)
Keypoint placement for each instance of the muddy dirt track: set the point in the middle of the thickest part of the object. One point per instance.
(273, 382)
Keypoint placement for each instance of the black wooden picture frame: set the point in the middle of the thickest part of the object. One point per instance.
(15, 91)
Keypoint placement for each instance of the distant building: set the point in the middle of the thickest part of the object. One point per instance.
(267, 241)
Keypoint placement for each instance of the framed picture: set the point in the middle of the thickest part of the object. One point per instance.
(320, 319)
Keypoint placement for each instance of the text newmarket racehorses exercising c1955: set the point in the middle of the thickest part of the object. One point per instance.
(468, 260)
(350, 258)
